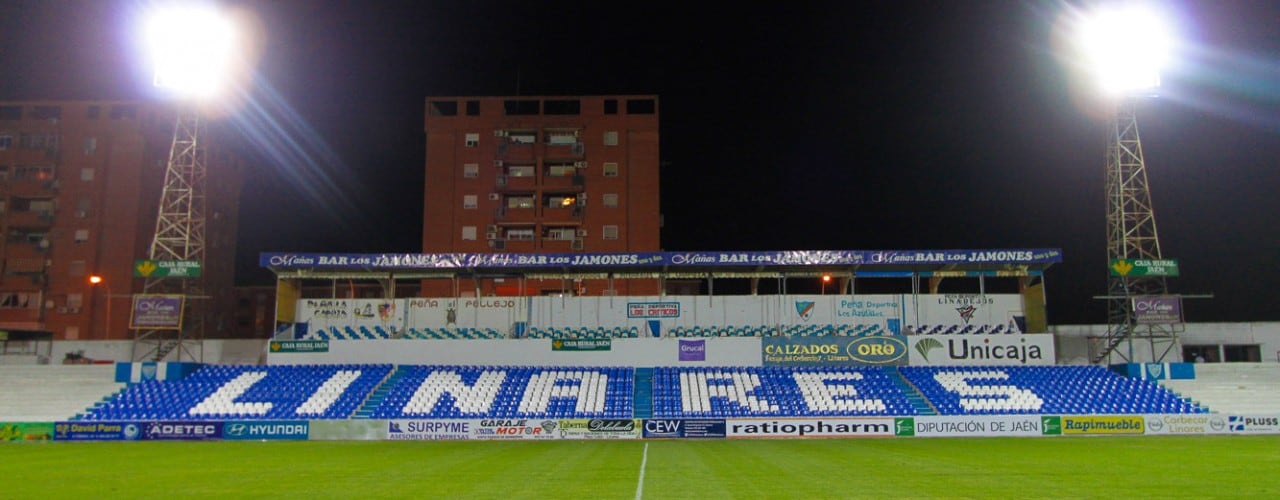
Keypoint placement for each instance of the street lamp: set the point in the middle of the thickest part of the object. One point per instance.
(96, 280)
(826, 278)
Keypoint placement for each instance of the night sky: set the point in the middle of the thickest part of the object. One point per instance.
(794, 126)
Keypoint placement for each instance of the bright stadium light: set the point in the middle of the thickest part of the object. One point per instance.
(192, 47)
(1125, 47)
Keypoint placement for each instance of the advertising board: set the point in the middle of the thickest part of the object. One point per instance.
(96, 431)
(1253, 424)
(26, 431)
(599, 428)
(156, 311)
(285, 430)
(514, 429)
(978, 425)
(1105, 424)
(690, 428)
(809, 427)
(429, 430)
(879, 350)
(982, 350)
(1184, 423)
(693, 350)
(181, 431)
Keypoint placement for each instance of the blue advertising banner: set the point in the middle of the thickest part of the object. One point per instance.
(641, 259)
(181, 431)
(96, 431)
(877, 350)
(285, 430)
(675, 428)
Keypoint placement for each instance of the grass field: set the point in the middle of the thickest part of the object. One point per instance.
(1142, 467)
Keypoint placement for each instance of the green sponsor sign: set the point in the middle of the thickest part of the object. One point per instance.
(581, 344)
(904, 426)
(26, 431)
(1144, 267)
(300, 346)
(166, 269)
(1051, 426)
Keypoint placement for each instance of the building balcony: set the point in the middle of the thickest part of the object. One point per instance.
(572, 214)
(32, 219)
(572, 151)
(575, 183)
(515, 215)
(507, 183)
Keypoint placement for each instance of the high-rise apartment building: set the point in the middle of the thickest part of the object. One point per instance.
(541, 175)
(79, 187)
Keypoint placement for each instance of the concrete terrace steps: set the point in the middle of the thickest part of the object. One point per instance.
(53, 392)
(1240, 388)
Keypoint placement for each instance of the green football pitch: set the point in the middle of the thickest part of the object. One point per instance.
(1104, 467)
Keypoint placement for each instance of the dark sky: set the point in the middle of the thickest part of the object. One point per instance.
(801, 125)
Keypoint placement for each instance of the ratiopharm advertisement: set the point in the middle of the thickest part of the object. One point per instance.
(982, 350)
(810, 427)
(879, 350)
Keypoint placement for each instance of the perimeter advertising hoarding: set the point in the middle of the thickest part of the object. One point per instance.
(284, 430)
(809, 427)
(514, 428)
(1253, 424)
(1103, 424)
(1186, 423)
(978, 425)
(599, 428)
(429, 430)
(96, 431)
(181, 431)
(879, 350)
(982, 350)
(660, 428)
(26, 431)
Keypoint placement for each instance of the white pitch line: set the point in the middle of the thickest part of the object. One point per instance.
(640, 483)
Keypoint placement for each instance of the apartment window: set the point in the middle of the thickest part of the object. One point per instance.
(520, 171)
(124, 112)
(86, 174)
(82, 207)
(610, 200)
(561, 137)
(610, 169)
(611, 138)
(521, 107)
(610, 232)
(473, 140)
(76, 268)
(19, 300)
(641, 106)
(561, 107)
(46, 112)
(469, 201)
(75, 300)
(6, 141)
(442, 108)
(469, 233)
(90, 145)
(610, 106)
(82, 235)
(562, 170)
(471, 170)
(94, 111)
(561, 233)
(561, 201)
(520, 234)
(519, 202)
(473, 108)
(32, 173)
(526, 137)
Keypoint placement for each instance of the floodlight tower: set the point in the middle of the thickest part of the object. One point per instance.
(191, 46)
(1126, 47)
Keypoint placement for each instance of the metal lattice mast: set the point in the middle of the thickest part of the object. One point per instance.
(1131, 234)
(179, 236)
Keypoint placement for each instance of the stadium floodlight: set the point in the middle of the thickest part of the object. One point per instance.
(192, 47)
(1125, 47)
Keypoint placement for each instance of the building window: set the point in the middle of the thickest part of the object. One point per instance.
(641, 106)
(469, 233)
(609, 232)
(562, 170)
(611, 138)
(76, 269)
(6, 141)
(82, 235)
(610, 169)
(610, 200)
(561, 137)
(469, 201)
(75, 300)
(442, 108)
(561, 233)
(520, 202)
(3, 202)
(610, 106)
(46, 112)
(124, 112)
(473, 140)
(32, 173)
(94, 111)
(473, 108)
(520, 171)
(19, 300)
(90, 145)
(86, 174)
(520, 234)
(82, 207)
(471, 170)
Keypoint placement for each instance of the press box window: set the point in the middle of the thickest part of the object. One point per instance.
(472, 140)
(471, 170)
(610, 169)
(469, 233)
(610, 232)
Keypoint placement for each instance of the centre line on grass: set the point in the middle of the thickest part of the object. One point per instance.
(644, 459)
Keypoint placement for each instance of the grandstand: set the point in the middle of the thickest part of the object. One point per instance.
(34, 393)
